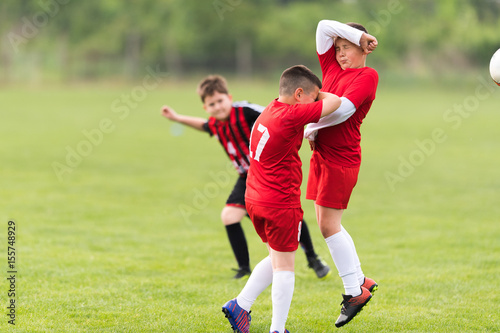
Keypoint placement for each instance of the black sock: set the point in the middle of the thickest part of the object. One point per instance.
(305, 241)
(239, 244)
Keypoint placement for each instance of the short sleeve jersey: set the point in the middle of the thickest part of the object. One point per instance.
(340, 144)
(234, 133)
(275, 173)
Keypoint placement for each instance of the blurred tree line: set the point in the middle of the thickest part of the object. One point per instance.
(92, 39)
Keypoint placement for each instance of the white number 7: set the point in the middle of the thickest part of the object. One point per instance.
(262, 142)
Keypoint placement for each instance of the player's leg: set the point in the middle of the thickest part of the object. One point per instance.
(339, 246)
(314, 261)
(334, 185)
(237, 310)
(355, 296)
(259, 280)
(368, 283)
(359, 271)
(283, 234)
(231, 218)
(330, 186)
(282, 289)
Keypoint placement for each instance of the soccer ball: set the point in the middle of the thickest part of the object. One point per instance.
(495, 67)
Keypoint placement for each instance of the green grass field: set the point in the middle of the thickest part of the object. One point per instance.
(118, 228)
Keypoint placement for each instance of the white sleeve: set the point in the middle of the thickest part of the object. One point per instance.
(327, 30)
(345, 110)
(255, 107)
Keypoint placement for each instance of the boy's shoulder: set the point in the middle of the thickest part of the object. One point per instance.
(246, 104)
(371, 71)
(364, 74)
(368, 71)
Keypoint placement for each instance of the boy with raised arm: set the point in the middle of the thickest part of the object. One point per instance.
(342, 50)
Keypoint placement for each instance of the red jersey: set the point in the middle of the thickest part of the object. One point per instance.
(340, 144)
(275, 173)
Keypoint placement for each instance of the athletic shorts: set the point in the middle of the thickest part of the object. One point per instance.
(279, 227)
(237, 196)
(330, 185)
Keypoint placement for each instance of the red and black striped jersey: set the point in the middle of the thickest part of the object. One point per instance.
(234, 133)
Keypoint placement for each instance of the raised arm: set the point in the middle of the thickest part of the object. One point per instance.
(194, 122)
(328, 30)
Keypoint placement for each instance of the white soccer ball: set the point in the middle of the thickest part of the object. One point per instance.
(495, 67)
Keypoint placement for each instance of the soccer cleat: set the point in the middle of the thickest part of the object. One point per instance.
(286, 331)
(319, 266)
(370, 284)
(242, 272)
(238, 318)
(351, 306)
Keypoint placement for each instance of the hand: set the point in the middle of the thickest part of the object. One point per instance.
(311, 136)
(312, 144)
(169, 113)
(368, 43)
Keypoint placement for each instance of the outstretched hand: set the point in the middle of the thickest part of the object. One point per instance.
(168, 112)
(368, 43)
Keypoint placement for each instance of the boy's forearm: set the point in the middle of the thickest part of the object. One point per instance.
(341, 114)
(194, 122)
(331, 103)
(344, 112)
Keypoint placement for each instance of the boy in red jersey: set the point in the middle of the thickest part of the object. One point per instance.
(231, 122)
(273, 192)
(342, 50)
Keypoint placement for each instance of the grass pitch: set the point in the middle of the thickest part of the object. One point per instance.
(118, 229)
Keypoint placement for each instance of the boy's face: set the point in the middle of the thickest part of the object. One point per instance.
(218, 105)
(349, 55)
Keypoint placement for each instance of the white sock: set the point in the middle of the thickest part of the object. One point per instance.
(259, 280)
(359, 272)
(283, 285)
(343, 258)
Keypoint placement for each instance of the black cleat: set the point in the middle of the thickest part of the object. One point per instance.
(319, 266)
(242, 272)
(351, 306)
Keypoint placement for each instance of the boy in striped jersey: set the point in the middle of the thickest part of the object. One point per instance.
(231, 123)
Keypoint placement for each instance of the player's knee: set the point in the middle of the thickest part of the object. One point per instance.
(226, 217)
(325, 232)
(231, 215)
(328, 229)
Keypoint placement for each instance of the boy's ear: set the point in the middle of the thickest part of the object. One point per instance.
(298, 93)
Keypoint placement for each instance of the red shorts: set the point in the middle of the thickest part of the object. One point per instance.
(279, 227)
(330, 185)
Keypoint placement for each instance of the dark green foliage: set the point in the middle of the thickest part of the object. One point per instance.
(63, 39)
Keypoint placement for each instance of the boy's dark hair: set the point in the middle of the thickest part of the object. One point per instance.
(357, 26)
(298, 76)
(210, 85)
